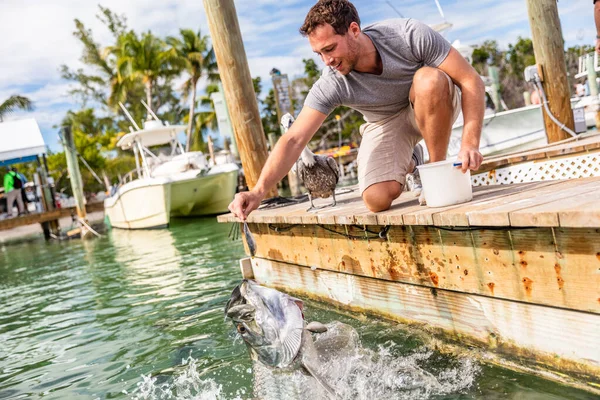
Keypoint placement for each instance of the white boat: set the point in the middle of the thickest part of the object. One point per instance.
(505, 131)
(179, 184)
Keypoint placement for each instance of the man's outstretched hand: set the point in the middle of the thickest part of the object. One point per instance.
(244, 203)
(471, 159)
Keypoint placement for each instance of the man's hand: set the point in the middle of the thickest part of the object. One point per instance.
(471, 158)
(244, 203)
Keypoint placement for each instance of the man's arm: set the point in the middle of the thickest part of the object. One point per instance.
(597, 21)
(473, 106)
(280, 161)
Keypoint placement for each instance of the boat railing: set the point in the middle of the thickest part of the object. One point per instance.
(583, 64)
(128, 177)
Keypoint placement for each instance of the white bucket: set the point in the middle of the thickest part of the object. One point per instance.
(444, 184)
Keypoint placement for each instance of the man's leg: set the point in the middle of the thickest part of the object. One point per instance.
(20, 206)
(379, 196)
(10, 200)
(385, 157)
(433, 100)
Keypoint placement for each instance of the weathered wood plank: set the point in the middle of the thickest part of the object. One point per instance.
(580, 209)
(501, 214)
(517, 264)
(488, 197)
(564, 340)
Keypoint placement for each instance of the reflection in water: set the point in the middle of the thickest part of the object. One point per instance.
(143, 312)
(151, 261)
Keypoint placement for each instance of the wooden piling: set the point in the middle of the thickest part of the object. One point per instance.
(75, 177)
(548, 47)
(591, 68)
(239, 91)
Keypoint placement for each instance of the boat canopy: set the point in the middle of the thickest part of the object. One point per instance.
(20, 141)
(151, 135)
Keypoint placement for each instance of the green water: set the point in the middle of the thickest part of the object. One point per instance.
(114, 318)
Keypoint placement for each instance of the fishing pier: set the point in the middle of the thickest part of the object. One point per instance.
(516, 270)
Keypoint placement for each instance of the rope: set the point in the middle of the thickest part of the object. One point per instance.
(82, 222)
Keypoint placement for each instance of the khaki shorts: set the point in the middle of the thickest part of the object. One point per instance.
(386, 149)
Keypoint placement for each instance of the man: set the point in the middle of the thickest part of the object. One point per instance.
(12, 190)
(402, 76)
(597, 21)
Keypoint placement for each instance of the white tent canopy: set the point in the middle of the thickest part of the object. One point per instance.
(20, 141)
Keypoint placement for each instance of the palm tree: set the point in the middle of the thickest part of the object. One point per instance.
(14, 103)
(146, 59)
(198, 58)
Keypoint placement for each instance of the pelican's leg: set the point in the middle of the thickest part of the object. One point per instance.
(334, 202)
(312, 206)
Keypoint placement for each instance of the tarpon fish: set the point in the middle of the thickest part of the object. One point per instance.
(272, 325)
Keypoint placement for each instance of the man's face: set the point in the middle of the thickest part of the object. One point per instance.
(336, 51)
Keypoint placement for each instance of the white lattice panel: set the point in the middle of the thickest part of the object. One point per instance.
(583, 166)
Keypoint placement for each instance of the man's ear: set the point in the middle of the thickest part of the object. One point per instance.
(354, 29)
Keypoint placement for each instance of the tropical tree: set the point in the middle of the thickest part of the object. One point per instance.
(93, 138)
(145, 59)
(198, 59)
(13, 103)
(101, 73)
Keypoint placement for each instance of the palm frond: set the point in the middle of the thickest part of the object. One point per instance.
(13, 103)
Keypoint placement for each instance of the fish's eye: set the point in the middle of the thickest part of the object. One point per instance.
(241, 329)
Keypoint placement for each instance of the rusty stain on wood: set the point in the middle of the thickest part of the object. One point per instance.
(559, 339)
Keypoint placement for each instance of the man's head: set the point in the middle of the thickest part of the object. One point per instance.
(14, 169)
(333, 29)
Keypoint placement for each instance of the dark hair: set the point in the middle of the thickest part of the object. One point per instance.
(337, 13)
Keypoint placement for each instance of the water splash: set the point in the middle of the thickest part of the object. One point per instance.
(187, 385)
(355, 372)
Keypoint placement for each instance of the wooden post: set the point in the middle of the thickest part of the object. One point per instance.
(47, 199)
(239, 91)
(75, 176)
(495, 76)
(527, 98)
(593, 85)
(548, 47)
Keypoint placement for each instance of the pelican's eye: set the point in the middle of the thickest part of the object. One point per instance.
(241, 329)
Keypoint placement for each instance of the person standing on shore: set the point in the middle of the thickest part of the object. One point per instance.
(12, 190)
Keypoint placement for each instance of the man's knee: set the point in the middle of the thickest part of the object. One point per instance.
(431, 83)
(379, 197)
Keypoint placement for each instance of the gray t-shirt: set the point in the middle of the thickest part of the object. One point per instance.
(405, 45)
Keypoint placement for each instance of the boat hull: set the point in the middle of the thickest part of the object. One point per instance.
(506, 132)
(150, 203)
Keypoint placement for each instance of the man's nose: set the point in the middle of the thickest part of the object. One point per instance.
(328, 61)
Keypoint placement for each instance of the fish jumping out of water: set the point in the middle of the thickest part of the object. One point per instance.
(319, 174)
(272, 325)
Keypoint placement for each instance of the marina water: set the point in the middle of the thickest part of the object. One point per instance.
(139, 315)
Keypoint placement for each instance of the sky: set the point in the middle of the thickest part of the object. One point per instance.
(37, 36)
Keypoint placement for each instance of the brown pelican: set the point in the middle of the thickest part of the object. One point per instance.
(319, 174)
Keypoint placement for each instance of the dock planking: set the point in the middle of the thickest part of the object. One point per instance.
(569, 203)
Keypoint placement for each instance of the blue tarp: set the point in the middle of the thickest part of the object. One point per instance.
(4, 163)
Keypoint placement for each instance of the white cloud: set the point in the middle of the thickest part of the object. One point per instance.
(37, 35)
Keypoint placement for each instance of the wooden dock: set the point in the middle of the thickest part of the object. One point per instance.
(516, 270)
(43, 217)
